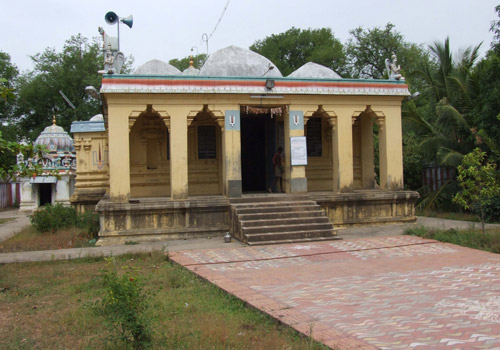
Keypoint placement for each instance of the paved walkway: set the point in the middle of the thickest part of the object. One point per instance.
(21, 220)
(388, 292)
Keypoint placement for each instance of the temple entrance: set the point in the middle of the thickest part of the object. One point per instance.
(45, 193)
(258, 143)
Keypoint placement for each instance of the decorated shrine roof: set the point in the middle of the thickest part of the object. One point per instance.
(55, 138)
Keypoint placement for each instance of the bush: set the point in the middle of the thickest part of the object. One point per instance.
(124, 307)
(89, 223)
(492, 210)
(51, 218)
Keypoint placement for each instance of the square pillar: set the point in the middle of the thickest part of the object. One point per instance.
(231, 150)
(295, 180)
(390, 148)
(178, 151)
(367, 152)
(343, 173)
(119, 153)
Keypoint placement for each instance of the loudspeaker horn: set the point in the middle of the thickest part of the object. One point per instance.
(111, 17)
(128, 21)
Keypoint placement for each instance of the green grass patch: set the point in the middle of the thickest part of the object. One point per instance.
(471, 238)
(47, 304)
(450, 215)
(5, 220)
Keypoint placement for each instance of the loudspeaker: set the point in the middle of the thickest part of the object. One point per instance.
(111, 17)
(128, 21)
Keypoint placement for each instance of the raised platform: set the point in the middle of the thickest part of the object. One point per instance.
(154, 219)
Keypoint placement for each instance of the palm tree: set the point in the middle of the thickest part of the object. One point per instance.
(444, 122)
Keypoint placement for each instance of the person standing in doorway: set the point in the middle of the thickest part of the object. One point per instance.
(278, 170)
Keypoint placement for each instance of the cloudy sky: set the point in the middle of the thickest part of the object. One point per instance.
(166, 29)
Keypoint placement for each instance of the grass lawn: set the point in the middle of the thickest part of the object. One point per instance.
(45, 306)
(471, 238)
(448, 215)
(30, 239)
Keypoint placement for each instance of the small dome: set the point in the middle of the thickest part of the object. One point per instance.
(157, 67)
(234, 61)
(191, 71)
(314, 70)
(97, 118)
(56, 139)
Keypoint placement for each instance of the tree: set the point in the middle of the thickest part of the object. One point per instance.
(295, 47)
(478, 179)
(69, 71)
(183, 63)
(367, 50)
(8, 76)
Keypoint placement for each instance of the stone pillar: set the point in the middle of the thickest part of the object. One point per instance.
(343, 176)
(179, 151)
(231, 151)
(367, 152)
(390, 148)
(119, 153)
(295, 176)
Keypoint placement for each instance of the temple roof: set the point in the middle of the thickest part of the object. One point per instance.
(157, 67)
(55, 138)
(314, 70)
(234, 61)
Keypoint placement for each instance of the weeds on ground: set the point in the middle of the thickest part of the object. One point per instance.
(467, 237)
(124, 306)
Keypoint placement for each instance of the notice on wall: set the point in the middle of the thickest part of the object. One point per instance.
(298, 150)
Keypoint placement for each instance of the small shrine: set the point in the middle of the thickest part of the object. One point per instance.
(57, 181)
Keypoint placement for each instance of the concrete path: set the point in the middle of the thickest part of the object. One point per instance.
(387, 292)
(10, 228)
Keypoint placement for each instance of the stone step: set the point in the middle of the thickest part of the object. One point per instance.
(287, 228)
(269, 198)
(290, 221)
(271, 205)
(291, 241)
(284, 215)
(290, 235)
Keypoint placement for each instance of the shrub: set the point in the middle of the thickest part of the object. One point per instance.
(124, 307)
(51, 218)
(89, 223)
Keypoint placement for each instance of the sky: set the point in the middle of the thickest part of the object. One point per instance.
(166, 29)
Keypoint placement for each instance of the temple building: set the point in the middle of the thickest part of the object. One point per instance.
(56, 183)
(190, 153)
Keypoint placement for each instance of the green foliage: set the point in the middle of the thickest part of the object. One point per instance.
(412, 161)
(8, 77)
(466, 238)
(295, 47)
(183, 63)
(89, 223)
(51, 218)
(69, 71)
(124, 307)
(479, 182)
(367, 50)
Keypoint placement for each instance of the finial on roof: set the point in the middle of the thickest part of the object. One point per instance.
(191, 61)
(54, 120)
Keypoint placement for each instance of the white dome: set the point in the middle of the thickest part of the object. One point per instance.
(56, 139)
(97, 118)
(191, 71)
(234, 61)
(314, 70)
(157, 67)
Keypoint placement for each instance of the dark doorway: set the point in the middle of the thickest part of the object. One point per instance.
(257, 144)
(45, 194)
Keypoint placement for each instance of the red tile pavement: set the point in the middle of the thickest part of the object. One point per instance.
(397, 292)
